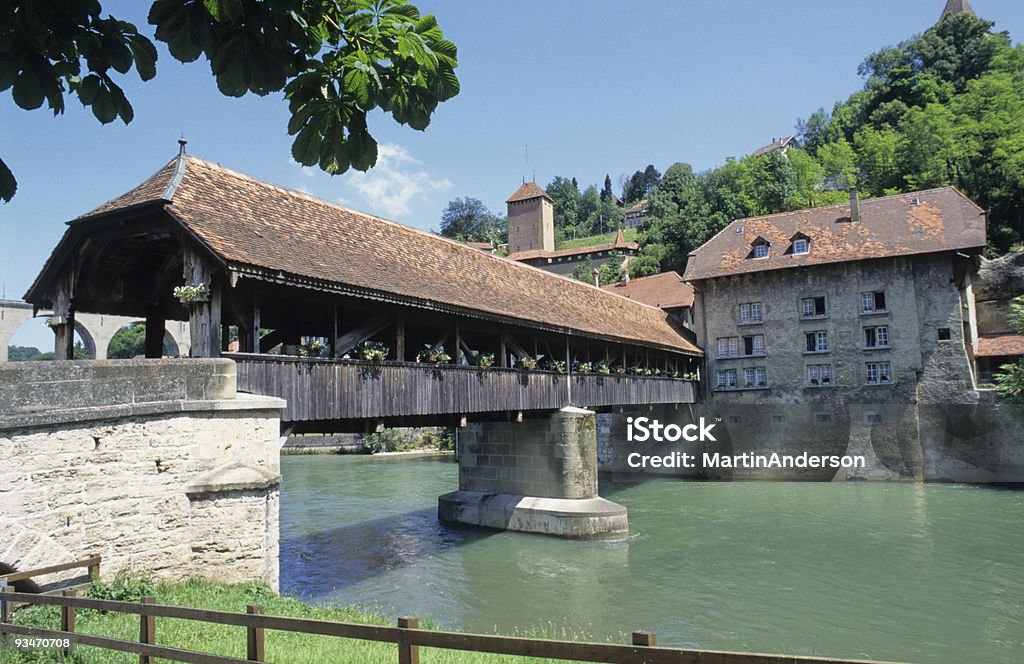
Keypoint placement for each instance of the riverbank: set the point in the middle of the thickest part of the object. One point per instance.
(228, 640)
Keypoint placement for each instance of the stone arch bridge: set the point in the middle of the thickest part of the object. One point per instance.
(95, 330)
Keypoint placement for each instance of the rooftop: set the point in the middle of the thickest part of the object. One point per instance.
(620, 243)
(262, 231)
(957, 7)
(907, 224)
(528, 191)
(1000, 345)
(666, 290)
(776, 144)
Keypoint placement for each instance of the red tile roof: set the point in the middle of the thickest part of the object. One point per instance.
(940, 220)
(666, 290)
(265, 231)
(528, 191)
(1000, 345)
(619, 243)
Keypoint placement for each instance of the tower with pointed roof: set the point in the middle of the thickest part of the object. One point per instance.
(531, 220)
(957, 7)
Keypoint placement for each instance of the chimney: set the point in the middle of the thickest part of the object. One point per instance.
(854, 205)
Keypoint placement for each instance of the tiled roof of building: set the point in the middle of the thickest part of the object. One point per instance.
(666, 290)
(915, 223)
(1000, 345)
(639, 206)
(776, 144)
(263, 230)
(619, 243)
(528, 191)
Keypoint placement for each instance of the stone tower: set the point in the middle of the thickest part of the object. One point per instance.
(531, 220)
(957, 7)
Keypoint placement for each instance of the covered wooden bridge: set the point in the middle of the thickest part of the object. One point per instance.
(351, 318)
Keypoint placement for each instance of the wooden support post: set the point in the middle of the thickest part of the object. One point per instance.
(67, 620)
(147, 630)
(408, 653)
(503, 351)
(204, 318)
(458, 346)
(255, 648)
(155, 324)
(63, 319)
(257, 323)
(400, 339)
(94, 571)
(649, 639)
(225, 336)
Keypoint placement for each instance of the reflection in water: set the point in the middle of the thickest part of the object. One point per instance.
(924, 573)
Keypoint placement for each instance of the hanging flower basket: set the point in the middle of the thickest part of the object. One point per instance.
(486, 360)
(192, 294)
(527, 363)
(435, 357)
(374, 351)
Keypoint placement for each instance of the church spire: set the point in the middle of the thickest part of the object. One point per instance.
(957, 7)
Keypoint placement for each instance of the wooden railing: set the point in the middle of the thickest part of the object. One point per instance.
(91, 565)
(407, 636)
(325, 390)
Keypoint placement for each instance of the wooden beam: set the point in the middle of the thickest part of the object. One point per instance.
(204, 317)
(400, 339)
(503, 351)
(256, 324)
(63, 319)
(350, 340)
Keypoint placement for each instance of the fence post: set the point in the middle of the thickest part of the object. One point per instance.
(254, 647)
(5, 609)
(94, 570)
(67, 621)
(645, 639)
(147, 630)
(407, 653)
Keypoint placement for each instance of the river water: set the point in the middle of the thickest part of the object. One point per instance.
(908, 572)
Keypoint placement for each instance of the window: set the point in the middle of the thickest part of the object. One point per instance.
(823, 418)
(735, 419)
(817, 342)
(725, 380)
(873, 418)
(728, 347)
(753, 345)
(761, 250)
(878, 373)
(778, 419)
(876, 337)
(819, 375)
(751, 313)
(812, 307)
(871, 303)
(944, 334)
(755, 377)
(801, 246)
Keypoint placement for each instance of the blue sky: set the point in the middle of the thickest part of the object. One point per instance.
(590, 87)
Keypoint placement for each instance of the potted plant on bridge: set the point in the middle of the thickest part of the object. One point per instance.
(374, 351)
(187, 294)
(602, 368)
(582, 367)
(556, 366)
(485, 360)
(527, 363)
(435, 356)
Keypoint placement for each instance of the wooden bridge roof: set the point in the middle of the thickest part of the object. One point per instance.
(263, 231)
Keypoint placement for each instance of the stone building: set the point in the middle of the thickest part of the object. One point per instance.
(869, 302)
(636, 215)
(666, 290)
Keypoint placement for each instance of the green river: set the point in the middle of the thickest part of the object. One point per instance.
(916, 573)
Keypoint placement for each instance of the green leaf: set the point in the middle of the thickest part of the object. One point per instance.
(357, 84)
(145, 56)
(363, 149)
(28, 91)
(8, 185)
(230, 66)
(306, 146)
(224, 11)
(124, 109)
(406, 10)
(103, 106)
(88, 89)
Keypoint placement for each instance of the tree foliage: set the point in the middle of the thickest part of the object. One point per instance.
(469, 220)
(335, 60)
(21, 353)
(1010, 380)
(128, 342)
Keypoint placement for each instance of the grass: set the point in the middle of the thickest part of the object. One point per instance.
(229, 640)
(578, 243)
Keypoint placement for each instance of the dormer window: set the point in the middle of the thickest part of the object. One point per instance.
(801, 246)
(760, 248)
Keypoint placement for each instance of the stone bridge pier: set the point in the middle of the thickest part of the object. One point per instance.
(536, 476)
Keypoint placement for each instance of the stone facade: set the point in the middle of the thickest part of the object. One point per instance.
(181, 487)
(923, 357)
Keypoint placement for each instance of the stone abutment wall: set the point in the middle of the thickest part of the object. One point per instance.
(156, 465)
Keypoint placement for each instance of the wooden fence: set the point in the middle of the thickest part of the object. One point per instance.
(406, 635)
(326, 390)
